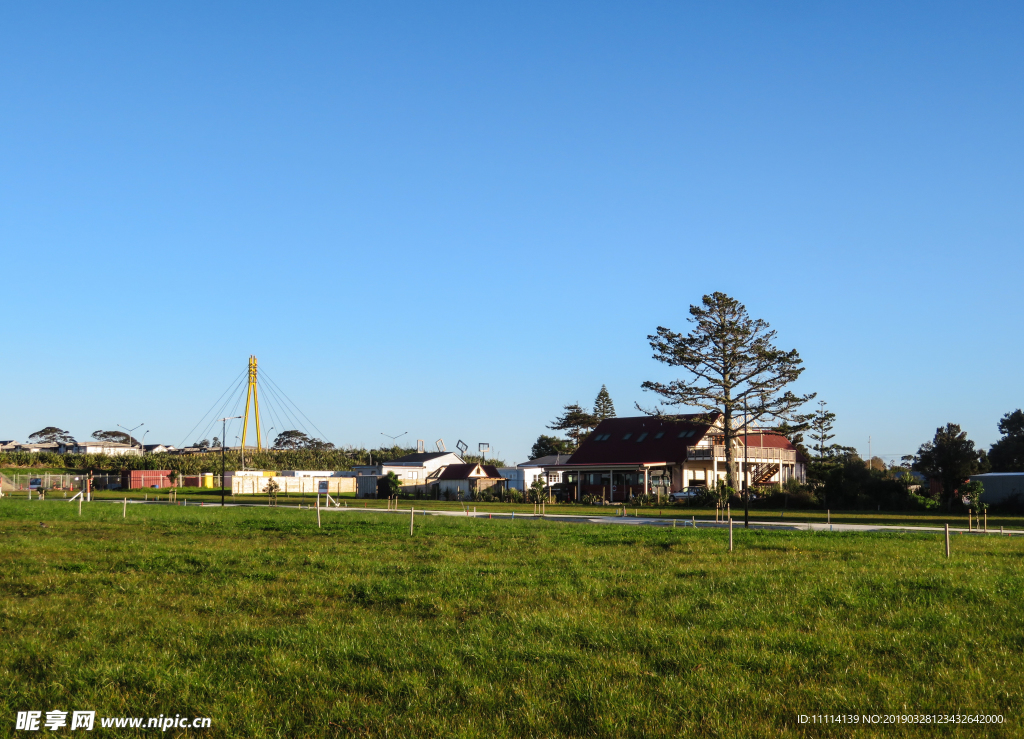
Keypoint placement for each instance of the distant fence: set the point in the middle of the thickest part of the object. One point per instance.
(45, 481)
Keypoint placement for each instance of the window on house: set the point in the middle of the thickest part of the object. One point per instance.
(641, 437)
(659, 434)
(683, 434)
(626, 437)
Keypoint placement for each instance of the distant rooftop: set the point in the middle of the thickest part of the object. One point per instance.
(418, 458)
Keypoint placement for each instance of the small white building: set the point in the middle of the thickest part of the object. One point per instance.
(1001, 487)
(110, 448)
(522, 476)
(290, 482)
(37, 447)
(414, 468)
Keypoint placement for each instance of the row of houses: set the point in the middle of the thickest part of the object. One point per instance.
(110, 448)
(621, 458)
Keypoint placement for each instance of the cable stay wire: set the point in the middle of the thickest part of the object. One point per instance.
(237, 407)
(270, 379)
(275, 418)
(216, 416)
(282, 407)
(295, 421)
(273, 391)
(231, 386)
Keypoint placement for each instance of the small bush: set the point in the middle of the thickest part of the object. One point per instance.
(643, 500)
(483, 496)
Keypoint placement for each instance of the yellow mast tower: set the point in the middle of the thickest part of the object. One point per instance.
(251, 395)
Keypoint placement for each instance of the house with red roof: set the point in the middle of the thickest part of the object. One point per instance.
(461, 480)
(624, 457)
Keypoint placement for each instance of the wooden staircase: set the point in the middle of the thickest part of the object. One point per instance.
(762, 473)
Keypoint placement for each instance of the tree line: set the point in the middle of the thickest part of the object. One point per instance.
(291, 439)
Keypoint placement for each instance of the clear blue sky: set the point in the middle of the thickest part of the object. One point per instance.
(452, 219)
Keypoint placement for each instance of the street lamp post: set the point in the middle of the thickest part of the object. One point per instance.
(143, 442)
(131, 441)
(394, 439)
(223, 436)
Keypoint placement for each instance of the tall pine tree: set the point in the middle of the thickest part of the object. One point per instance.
(732, 367)
(603, 406)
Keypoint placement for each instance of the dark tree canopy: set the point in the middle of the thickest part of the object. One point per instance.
(575, 422)
(732, 366)
(389, 486)
(291, 440)
(603, 406)
(546, 446)
(950, 458)
(1007, 454)
(116, 436)
(294, 439)
(52, 434)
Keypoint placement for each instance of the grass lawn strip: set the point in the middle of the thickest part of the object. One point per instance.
(478, 627)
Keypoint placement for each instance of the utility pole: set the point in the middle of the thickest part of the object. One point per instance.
(224, 435)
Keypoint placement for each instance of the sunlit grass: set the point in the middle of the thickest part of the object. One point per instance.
(473, 627)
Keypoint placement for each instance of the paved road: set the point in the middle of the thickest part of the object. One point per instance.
(679, 521)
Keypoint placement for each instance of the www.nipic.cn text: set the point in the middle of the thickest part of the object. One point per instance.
(86, 720)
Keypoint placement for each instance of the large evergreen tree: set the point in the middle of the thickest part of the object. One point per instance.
(822, 423)
(575, 422)
(734, 367)
(603, 406)
(1007, 454)
(546, 446)
(950, 458)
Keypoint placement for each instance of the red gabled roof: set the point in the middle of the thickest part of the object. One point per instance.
(776, 441)
(639, 448)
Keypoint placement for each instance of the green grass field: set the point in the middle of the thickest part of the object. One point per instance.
(271, 627)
